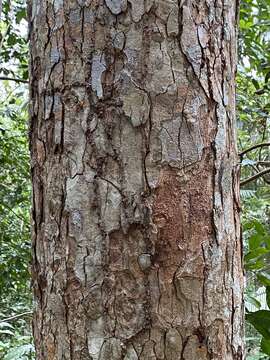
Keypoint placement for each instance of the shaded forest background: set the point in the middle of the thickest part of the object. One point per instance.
(253, 118)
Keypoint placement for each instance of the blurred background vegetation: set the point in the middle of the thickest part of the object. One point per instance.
(253, 105)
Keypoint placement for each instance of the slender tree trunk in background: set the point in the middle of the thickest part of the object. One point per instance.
(136, 240)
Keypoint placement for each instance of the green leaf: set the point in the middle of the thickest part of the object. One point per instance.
(264, 278)
(7, 332)
(261, 321)
(259, 227)
(21, 14)
(256, 83)
(255, 241)
(4, 324)
(251, 300)
(256, 253)
(255, 265)
(17, 352)
(265, 346)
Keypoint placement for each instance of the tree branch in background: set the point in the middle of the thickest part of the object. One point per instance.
(16, 316)
(257, 169)
(14, 79)
(253, 147)
(263, 163)
(255, 177)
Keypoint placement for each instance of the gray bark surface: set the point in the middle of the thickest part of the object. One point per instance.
(136, 234)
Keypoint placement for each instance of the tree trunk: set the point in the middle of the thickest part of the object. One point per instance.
(136, 240)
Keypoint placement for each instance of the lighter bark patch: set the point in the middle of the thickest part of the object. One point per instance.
(98, 67)
(136, 105)
(116, 6)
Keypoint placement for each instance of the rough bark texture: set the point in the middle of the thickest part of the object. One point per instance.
(136, 240)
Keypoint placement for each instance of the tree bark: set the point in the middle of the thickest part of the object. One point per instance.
(136, 234)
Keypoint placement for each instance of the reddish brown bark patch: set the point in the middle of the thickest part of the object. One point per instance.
(182, 212)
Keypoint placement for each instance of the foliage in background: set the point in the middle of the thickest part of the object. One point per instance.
(253, 104)
(13, 39)
(14, 214)
(15, 296)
